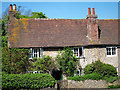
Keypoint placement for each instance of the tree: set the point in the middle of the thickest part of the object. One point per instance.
(67, 61)
(15, 60)
(34, 15)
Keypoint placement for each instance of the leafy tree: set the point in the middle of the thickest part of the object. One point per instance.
(34, 15)
(15, 60)
(44, 64)
(67, 61)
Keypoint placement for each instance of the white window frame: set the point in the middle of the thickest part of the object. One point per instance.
(39, 51)
(111, 51)
(78, 51)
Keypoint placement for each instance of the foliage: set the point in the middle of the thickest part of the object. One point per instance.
(44, 64)
(114, 86)
(89, 69)
(27, 81)
(15, 60)
(110, 79)
(67, 61)
(3, 32)
(34, 15)
(106, 70)
(93, 76)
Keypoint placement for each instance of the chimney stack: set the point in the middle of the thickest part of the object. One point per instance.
(93, 11)
(12, 13)
(89, 11)
(14, 6)
(92, 25)
(10, 7)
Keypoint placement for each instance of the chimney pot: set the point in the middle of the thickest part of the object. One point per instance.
(89, 11)
(93, 11)
(10, 7)
(14, 6)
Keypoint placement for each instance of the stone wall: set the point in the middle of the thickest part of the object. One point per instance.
(89, 84)
(51, 53)
(94, 54)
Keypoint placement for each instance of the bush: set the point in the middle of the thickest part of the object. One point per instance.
(26, 81)
(93, 76)
(105, 70)
(15, 60)
(114, 86)
(110, 79)
(44, 64)
(89, 69)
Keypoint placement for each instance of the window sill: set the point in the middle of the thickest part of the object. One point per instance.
(111, 55)
(81, 57)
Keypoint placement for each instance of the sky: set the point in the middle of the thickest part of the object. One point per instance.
(67, 10)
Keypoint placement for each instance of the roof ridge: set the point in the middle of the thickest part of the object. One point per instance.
(51, 19)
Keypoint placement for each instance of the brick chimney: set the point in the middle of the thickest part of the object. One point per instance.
(92, 25)
(12, 13)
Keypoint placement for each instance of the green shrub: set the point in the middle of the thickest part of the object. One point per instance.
(32, 81)
(114, 86)
(15, 60)
(44, 64)
(108, 70)
(93, 76)
(110, 79)
(67, 61)
(105, 70)
(89, 69)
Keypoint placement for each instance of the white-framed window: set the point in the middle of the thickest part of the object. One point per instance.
(111, 51)
(78, 51)
(35, 52)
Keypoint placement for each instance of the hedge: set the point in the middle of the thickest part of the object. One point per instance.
(93, 76)
(114, 86)
(27, 81)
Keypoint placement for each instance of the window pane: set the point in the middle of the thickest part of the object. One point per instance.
(76, 51)
(108, 51)
(113, 51)
(80, 52)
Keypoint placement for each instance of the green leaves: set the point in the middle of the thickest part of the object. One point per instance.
(106, 70)
(93, 76)
(34, 15)
(27, 81)
(67, 61)
(14, 60)
(43, 64)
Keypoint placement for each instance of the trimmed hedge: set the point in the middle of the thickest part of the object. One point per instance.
(93, 76)
(27, 81)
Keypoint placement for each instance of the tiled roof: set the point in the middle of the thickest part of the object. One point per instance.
(59, 32)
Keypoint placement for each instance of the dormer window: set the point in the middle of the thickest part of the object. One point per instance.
(111, 51)
(78, 51)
